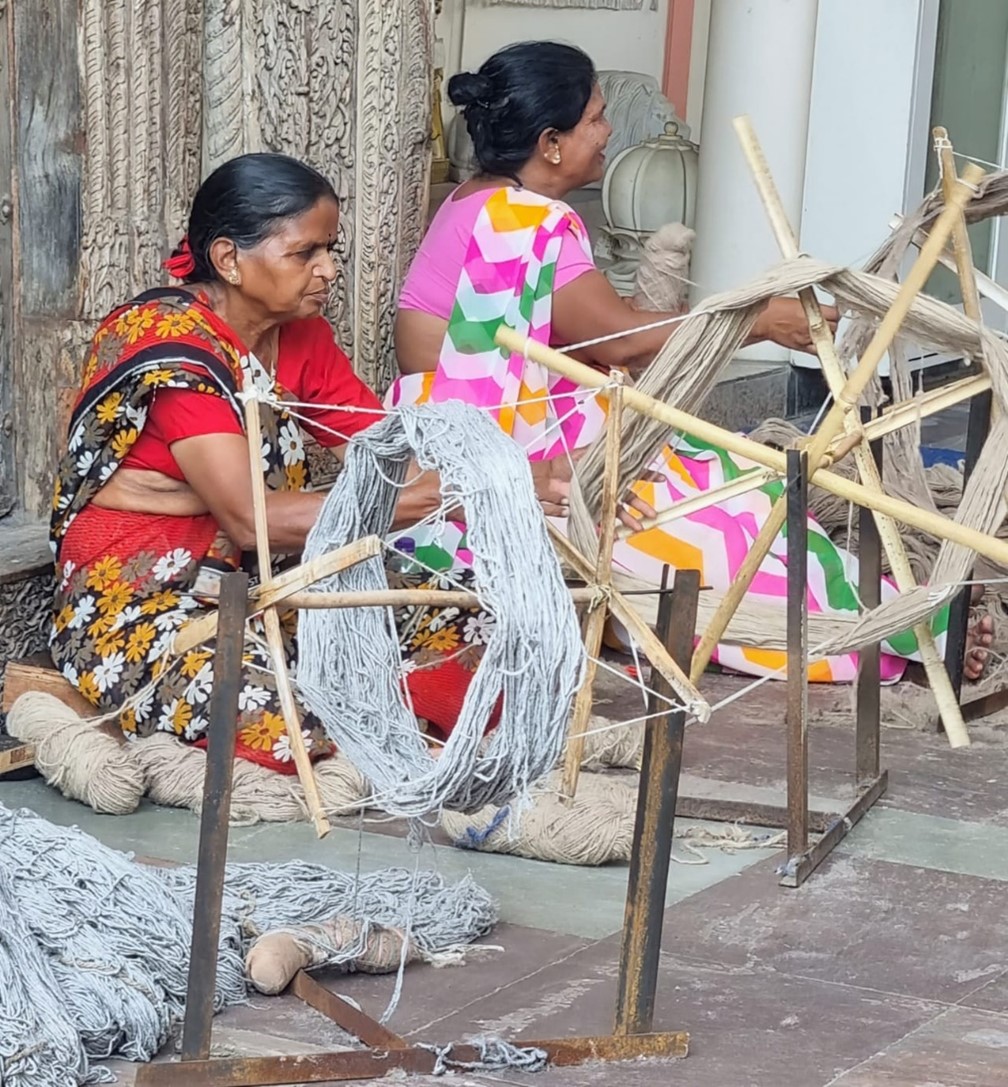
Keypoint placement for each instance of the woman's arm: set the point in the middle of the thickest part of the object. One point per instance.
(588, 307)
(216, 467)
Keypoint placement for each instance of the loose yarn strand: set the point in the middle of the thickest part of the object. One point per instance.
(84, 980)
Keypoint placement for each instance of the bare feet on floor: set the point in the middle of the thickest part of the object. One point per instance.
(979, 639)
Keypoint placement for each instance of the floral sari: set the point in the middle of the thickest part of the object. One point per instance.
(127, 582)
(507, 279)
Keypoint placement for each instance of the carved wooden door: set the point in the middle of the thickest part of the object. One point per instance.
(8, 483)
(121, 107)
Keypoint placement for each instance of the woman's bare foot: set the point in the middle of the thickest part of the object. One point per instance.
(979, 639)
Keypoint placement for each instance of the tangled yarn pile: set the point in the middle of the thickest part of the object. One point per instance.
(94, 947)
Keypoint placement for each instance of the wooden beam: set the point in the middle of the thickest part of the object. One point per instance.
(271, 620)
(20, 678)
(850, 425)
(8, 471)
(282, 587)
(845, 397)
(594, 623)
(400, 598)
(942, 527)
(15, 756)
(638, 630)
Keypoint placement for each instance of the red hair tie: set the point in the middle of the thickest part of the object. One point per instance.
(181, 263)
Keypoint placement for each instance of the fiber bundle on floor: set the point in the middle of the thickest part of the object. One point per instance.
(94, 947)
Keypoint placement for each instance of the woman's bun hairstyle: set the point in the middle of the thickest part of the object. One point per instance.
(516, 96)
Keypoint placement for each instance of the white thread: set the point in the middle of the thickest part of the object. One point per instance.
(973, 158)
(631, 331)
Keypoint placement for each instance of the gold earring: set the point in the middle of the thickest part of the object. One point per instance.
(233, 277)
(555, 158)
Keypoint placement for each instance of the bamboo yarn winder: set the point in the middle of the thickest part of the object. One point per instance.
(839, 433)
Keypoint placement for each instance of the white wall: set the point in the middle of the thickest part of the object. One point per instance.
(868, 122)
(628, 40)
(745, 76)
(698, 67)
(868, 135)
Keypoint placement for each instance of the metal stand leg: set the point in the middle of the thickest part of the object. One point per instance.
(955, 640)
(797, 649)
(868, 726)
(803, 859)
(223, 731)
(655, 823)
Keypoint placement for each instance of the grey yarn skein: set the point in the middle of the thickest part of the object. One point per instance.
(349, 669)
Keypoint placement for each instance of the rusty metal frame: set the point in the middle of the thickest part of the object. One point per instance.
(654, 825)
(372, 1064)
(870, 781)
(977, 426)
(955, 645)
(385, 1050)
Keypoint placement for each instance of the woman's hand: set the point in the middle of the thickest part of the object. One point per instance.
(633, 511)
(552, 479)
(783, 321)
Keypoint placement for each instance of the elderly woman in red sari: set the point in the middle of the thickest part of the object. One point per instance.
(153, 498)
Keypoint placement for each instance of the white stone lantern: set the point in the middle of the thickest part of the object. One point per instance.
(645, 187)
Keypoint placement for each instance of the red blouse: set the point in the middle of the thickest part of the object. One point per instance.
(310, 368)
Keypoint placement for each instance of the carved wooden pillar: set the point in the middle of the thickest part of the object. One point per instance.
(345, 87)
(111, 138)
(392, 175)
(141, 109)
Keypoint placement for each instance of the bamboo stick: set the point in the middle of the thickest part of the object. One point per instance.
(926, 520)
(306, 573)
(985, 285)
(962, 250)
(645, 637)
(271, 621)
(958, 627)
(751, 481)
(594, 623)
(929, 403)
(886, 332)
(938, 677)
(844, 400)
(399, 598)
(284, 585)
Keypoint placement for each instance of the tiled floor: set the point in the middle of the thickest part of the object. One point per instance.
(890, 966)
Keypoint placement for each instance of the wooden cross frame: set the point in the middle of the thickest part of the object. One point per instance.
(632, 1037)
(840, 432)
(288, 588)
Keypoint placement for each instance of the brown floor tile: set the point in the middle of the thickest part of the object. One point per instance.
(749, 1027)
(992, 995)
(880, 926)
(430, 994)
(960, 1048)
(744, 743)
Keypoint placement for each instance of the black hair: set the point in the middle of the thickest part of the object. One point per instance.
(518, 94)
(245, 199)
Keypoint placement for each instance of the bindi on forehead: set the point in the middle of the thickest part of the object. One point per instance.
(318, 227)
